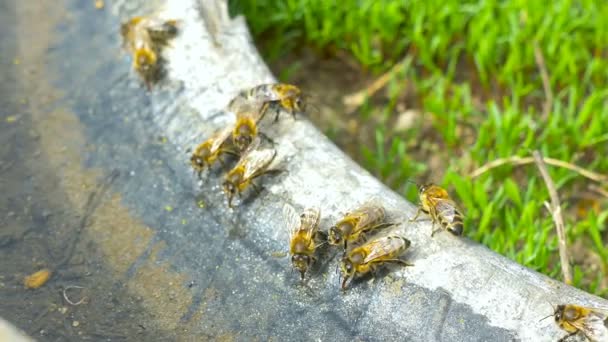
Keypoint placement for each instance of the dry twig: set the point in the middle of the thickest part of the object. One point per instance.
(515, 160)
(556, 212)
(544, 74)
(599, 190)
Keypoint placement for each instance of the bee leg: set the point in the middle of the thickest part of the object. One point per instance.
(230, 196)
(277, 113)
(398, 262)
(231, 152)
(363, 237)
(258, 189)
(382, 226)
(320, 236)
(417, 214)
(271, 172)
(312, 260)
(434, 230)
(227, 151)
(293, 115)
(263, 109)
(565, 338)
(266, 137)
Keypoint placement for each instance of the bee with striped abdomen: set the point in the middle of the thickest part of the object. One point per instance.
(254, 163)
(574, 319)
(443, 211)
(369, 256)
(264, 97)
(304, 231)
(208, 152)
(354, 225)
(144, 37)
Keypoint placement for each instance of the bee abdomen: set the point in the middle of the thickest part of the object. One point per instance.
(455, 225)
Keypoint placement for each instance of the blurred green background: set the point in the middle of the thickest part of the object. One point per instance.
(460, 84)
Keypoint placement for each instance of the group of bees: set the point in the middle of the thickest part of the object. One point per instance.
(244, 140)
(145, 37)
(357, 226)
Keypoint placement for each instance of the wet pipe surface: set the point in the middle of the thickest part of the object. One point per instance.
(99, 190)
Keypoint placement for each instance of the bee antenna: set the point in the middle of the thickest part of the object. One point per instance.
(544, 318)
(553, 307)
(411, 181)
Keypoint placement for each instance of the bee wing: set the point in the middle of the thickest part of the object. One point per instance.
(594, 325)
(383, 247)
(155, 25)
(369, 215)
(251, 110)
(310, 220)
(219, 138)
(292, 219)
(243, 103)
(257, 160)
(447, 208)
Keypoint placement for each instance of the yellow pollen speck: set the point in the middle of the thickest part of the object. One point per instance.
(37, 279)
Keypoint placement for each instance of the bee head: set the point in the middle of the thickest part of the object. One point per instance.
(299, 105)
(199, 158)
(335, 236)
(144, 59)
(242, 141)
(348, 271)
(125, 28)
(300, 262)
(197, 162)
(424, 187)
(170, 28)
(229, 187)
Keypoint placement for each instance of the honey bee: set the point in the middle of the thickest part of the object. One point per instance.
(436, 202)
(357, 223)
(576, 319)
(368, 257)
(304, 229)
(144, 37)
(245, 129)
(253, 164)
(279, 96)
(210, 150)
